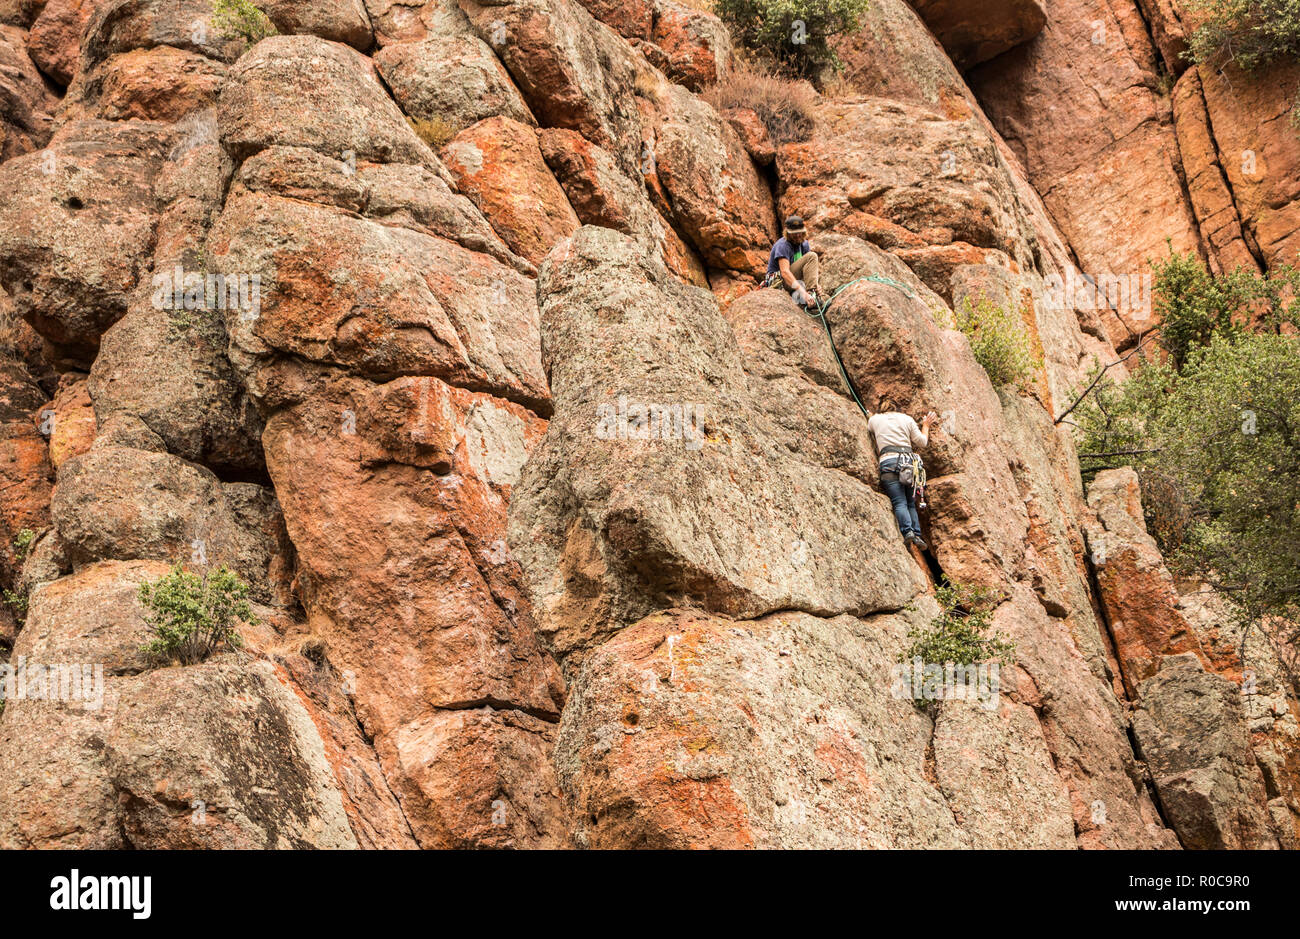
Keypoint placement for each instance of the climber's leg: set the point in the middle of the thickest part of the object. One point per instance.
(904, 513)
(805, 269)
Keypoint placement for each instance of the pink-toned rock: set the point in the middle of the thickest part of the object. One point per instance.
(159, 84)
(975, 33)
(26, 103)
(456, 80)
(419, 474)
(499, 165)
(718, 198)
(77, 227)
(415, 20)
(307, 92)
(753, 133)
(601, 194)
(55, 38)
(411, 303)
(1136, 591)
(1079, 107)
(1258, 151)
(573, 71)
(688, 45)
(73, 420)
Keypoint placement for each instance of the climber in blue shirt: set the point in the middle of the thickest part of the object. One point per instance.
(793, 264)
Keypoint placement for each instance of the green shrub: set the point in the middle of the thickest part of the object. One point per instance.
(1194, 304)
(794, 35)
(239, 19)
(192, 616)
(1248, 33)
(1214, 434)
(998, 340)
(23, 544)
(17, 601)
(959, 634)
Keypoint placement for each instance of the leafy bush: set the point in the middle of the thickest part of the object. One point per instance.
(23, 544)
(191, 616)
(1214, 433)
(1194, 304)
(958, 635)
(1249, 33)
(784, 106)
(239, 19)
(794, 35)
(16, 601)
(998, 340)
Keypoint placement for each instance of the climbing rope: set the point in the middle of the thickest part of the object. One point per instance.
(820, 315)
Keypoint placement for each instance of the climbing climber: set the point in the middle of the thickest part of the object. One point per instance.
(897, 437)
(793, 264)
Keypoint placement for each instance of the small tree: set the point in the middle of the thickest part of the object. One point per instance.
(998, 340)
(959, 634)
(191, 616)
(239, 19)
(1249, 33)
(794, 34)
(1194, 304)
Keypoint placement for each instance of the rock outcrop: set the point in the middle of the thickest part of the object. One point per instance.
(436, 321)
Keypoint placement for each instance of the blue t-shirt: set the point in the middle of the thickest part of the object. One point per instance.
(783, 249)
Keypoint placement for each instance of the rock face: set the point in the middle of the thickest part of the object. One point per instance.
(1178, 647)
(437, 321)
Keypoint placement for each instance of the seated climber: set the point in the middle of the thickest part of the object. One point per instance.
(895, 435)
(793, 264)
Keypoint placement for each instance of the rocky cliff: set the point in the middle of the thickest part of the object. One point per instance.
(435, 320)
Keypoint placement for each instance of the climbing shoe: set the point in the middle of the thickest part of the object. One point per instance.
(914, 538)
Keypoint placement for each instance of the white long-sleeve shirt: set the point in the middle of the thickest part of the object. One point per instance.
(895, 429)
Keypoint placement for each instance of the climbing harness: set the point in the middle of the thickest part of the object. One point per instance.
(911, 468)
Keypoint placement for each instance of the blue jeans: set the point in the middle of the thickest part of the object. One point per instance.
(901, 498)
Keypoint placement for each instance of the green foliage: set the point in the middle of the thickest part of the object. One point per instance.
(794, 35)
(240, 19)
(999, 341)
(1248, 33)
(191, 616)
(1194, 304)
(1214, 433)
(17, 601)
(23, 544)
(958, 635)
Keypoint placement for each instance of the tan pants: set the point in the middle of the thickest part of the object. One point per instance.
(805, 269)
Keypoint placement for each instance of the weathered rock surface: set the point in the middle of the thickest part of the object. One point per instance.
(25, 101)
(456, 79)
(499, 165)
(215, 755)
(975, 33)
(357, 423)
(1188, 726)
(662, 499)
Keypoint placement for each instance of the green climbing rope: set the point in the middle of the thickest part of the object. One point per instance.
(820, 314)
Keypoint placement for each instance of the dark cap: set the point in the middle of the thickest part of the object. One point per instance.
(794, 223)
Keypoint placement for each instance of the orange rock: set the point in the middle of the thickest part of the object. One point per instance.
(498, 164)
(73, 420)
